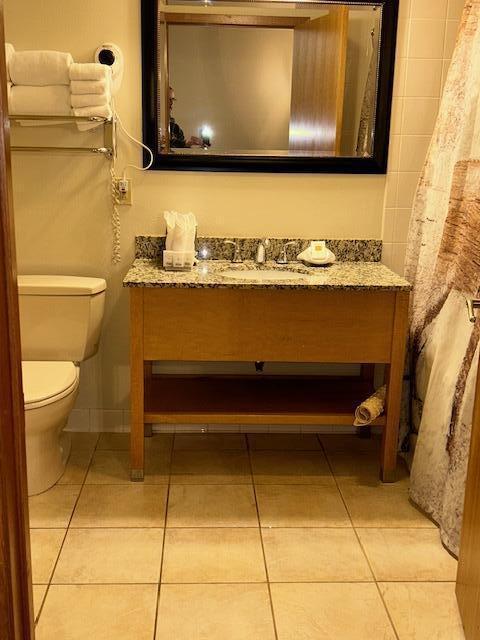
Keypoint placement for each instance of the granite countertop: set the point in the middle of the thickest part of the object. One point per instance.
(208, 274)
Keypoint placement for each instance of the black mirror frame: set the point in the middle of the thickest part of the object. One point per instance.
(377, 164)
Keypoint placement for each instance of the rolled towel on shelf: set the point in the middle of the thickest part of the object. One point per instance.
(89, 100)
(371, 408)
(39, 101)
(103, 111)
(40, 68)
(89, 87)
(89, 71)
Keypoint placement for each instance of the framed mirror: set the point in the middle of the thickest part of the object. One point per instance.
(268, 85)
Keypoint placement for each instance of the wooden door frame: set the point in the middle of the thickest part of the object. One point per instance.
(16, 608)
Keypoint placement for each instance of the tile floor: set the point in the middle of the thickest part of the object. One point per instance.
(259, 537)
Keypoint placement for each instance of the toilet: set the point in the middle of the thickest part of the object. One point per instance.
(60, 323)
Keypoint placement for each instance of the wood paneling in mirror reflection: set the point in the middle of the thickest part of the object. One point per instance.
(273, 22)
(318, 85)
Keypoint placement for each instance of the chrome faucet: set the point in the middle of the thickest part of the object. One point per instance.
(260, 257)
(237, 256)
(283, 257)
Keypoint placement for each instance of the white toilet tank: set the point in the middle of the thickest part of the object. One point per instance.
(60, 316)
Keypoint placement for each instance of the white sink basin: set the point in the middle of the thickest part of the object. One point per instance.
(259, 275)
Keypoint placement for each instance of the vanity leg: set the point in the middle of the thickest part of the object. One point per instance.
(137, 386)
(148, 431)
(394, 379)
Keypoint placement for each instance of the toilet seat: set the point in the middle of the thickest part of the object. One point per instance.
(46, 382)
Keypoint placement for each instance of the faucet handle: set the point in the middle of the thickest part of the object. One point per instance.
(283, 258)
(237, 256)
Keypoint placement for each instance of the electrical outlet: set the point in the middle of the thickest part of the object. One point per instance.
(123, 190)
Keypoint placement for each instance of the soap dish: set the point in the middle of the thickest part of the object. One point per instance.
(178, 260)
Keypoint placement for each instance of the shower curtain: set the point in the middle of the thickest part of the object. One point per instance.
(443, 264)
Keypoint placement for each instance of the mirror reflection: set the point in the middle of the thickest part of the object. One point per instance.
(276, 82)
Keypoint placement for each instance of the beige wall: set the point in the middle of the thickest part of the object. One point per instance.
(62, 208)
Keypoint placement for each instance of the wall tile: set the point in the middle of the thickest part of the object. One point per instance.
(399, 251)
(445, 68)
(389, 224)
(399, 77)
(407, 186)
(397, 116)
(79, 420)
(387, 255)
(419, 115)
(426, 38)
(434, 9)
(451, 31)
(391, 189)
(107, 420)
(455, 9)
(423, 78)
(394, 153)
(403, 33)
(402, 221)
(404, 9)
(413, 152)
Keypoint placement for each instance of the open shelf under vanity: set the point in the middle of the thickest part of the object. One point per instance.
(255, 399)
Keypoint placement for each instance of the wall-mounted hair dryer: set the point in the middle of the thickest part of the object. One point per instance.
(111, 55)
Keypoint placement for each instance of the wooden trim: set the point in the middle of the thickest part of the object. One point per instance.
(16, 609)
(468, 577)
(377, 164)
(268, 22)
(137, 390)
(394, 376)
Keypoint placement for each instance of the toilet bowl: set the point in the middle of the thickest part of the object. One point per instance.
(49, 390)
(60, 322)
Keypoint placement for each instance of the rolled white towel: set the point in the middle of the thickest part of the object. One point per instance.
(89, 71)
(103, 111)
(9, 51)
(89, 100)
(43, 101)
(40, 68)
(82, 87)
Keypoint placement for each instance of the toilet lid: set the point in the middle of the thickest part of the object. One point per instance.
(46, 382)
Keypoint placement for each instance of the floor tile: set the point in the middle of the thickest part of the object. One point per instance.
(45, 546)
(362, 468)
(314, 555)
(330, 611)
(39, 591)
(216, 467)
(381, 506)
(423, 610)
(134, 505)
(290, 467)
(216, 612)
(82, 441)
(53, 509)
(407, 555)
(350, 442)
(301, 506)
(121, 442)
(211, 506)
(213, 555)
(113, 467)
(77, 612)
(77, 467)
(209, 442)
(283, 441)
(110, 556)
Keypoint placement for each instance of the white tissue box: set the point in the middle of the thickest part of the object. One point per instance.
(178, 260)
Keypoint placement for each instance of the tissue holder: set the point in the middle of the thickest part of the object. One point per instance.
(178, 260)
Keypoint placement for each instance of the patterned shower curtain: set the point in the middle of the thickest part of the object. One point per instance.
(443, 263)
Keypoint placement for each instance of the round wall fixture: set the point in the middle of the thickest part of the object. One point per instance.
(111, 55)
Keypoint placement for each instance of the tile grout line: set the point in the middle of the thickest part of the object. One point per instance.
(67, 528)
(274, 622)
(157, 603)
(359, 542)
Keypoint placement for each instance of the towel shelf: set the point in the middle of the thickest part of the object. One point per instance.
(107, 150)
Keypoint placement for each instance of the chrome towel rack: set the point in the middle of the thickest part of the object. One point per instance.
(107, 150)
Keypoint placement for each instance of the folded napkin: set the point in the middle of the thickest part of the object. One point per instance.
(40, 68)
(42, 101)
(89, 71)
(89, 87)
(181, 231)
(371, 408)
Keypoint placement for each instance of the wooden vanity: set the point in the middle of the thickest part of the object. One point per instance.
(200, 317)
